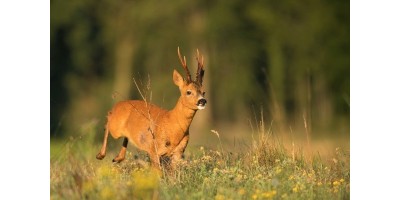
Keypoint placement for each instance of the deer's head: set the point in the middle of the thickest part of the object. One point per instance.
(192, 93)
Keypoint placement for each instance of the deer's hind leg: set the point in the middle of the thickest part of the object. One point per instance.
(102, 152)
(121, 155)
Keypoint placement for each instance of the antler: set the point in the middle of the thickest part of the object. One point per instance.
(200, 68)
(183, 62)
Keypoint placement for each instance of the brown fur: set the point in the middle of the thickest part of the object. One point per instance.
(161, 133)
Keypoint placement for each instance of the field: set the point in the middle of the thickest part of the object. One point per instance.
(267, 168)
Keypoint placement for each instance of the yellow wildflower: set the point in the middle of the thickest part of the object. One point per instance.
(88, 186)
(336, 183)
(104, 171)
(335, 190)
(219, 197)
(129, 183)
(241, 191)
(106, 193)
(143, 181)
(269, 194)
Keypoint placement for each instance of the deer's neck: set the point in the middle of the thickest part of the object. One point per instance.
(183, 115)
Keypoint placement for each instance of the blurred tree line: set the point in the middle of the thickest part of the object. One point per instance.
(290, 58)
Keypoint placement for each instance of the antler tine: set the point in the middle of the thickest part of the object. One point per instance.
(183, 62)
(200, 68)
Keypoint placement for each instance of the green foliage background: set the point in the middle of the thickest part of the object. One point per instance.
(289, 58)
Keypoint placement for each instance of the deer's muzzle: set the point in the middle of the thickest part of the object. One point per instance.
(201, 104)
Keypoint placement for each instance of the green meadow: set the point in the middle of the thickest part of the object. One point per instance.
(265, 168)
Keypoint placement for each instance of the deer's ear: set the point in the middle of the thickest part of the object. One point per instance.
(178, 80)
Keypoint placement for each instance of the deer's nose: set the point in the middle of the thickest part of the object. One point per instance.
(202, 102)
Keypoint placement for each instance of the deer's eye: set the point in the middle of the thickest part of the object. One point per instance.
(188, 92)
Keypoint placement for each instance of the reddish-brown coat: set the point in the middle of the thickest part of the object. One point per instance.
(161, 133)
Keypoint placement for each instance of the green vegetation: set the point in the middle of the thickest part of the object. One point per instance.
(289, 57)
(264, 170)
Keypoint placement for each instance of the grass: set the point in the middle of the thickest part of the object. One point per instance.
(265, 170)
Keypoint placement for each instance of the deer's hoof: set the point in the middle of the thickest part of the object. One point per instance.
(118, 160)
(100, 156)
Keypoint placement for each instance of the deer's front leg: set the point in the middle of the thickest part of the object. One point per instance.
(154, 160)
(178, 152)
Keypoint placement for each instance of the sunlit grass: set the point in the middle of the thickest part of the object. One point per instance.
(266, 170)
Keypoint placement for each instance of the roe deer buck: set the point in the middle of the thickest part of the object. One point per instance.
(162, 134)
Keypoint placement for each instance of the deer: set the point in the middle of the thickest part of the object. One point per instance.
(163, 134)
